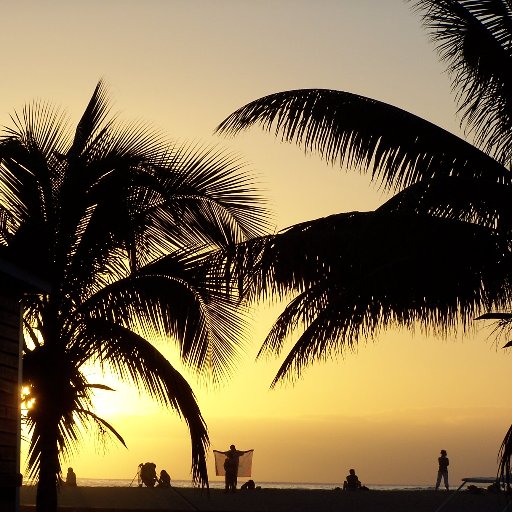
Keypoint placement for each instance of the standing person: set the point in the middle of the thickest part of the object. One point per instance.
(444, 462)
(231, 467)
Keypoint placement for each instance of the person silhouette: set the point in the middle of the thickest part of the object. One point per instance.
(231, 467)
(248, 486)
(147, 474)
(164, 480)
(351, 482)
(442, 472)
(71, 478)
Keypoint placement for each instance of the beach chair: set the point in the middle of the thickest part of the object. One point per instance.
(471, 480)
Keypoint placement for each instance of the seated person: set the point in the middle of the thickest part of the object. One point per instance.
(351, 483)
(71, 478)
(249, 485)
(164, 480)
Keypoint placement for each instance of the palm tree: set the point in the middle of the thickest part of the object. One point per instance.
(119, 223)
(438, 252)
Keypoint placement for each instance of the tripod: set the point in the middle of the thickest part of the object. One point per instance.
(137, 475)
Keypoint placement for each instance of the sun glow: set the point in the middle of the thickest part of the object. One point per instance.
(27, 400)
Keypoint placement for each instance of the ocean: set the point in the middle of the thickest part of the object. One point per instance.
(219, 484)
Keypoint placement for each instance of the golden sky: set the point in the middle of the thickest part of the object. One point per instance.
(184, 65)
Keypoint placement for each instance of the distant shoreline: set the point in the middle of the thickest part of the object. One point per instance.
(219, 484)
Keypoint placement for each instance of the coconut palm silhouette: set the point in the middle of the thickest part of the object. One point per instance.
(118, 222)
(438, 252)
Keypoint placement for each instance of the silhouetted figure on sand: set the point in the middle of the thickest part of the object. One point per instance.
(164, 480)
(231, 467)
(444, 462)
(71, 478)
(248, 486)
(147, 474)
(351, 482)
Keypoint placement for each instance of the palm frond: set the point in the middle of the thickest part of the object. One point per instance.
(354, 274)
(100, 386)
(41, 129)
(505, 456)
(92, 119)
(132, 357)
(18, 186)
(355, 131)
(475, 39)
(201, 192)
(495, 316)
(26, 183)
(174, 296)
(479, 201)
(199, 199)
(101, 422)
(501, 325)
(321, 337)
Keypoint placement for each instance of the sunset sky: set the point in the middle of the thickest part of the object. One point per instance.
(184, 65)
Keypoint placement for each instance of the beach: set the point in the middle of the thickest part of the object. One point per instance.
(135, 499)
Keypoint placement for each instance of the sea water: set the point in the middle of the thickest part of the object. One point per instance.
(219, 484)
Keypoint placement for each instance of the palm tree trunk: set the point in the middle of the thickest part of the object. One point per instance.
(46, 498)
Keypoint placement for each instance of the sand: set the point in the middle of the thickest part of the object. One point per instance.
(131, 499)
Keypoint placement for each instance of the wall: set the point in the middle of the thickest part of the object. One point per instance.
(9, 400)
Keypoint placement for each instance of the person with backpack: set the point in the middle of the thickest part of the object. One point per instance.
(147, 474)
